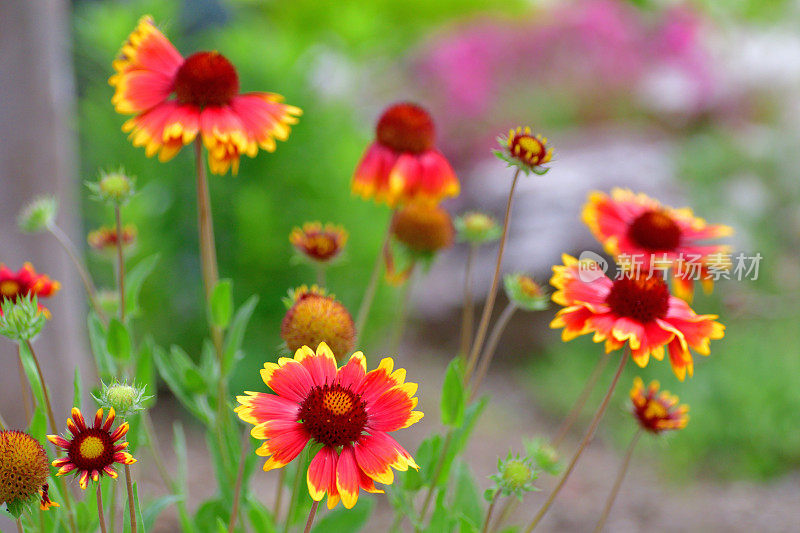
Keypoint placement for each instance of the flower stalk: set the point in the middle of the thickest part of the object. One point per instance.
(584, 443)
(372, 286)
(131, 502)
(120, 263)
(491, 345)
(100, 514)
(489, 512)
(311, 514)
(468, 312)
(618, 482)
(490, 298)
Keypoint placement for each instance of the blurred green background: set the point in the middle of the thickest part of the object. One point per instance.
(341, 62)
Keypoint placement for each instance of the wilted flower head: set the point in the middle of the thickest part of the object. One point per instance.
(515, 475)
(525, 293)
(92, 450)
(525, 150)
(423, 227)
(315, 317)
(23, 468)
(21, 320)
(105, 239)
(38, 215)
(403, 163)
(347, 412)
(319, 243)
(657, 412)
(176, 99)
(477, 228)
(125, 399)
(115, 187)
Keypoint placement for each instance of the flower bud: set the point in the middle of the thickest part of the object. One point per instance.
(38, 214)
(21, 319)
(126, 399)
(477, 228)
(114, 187)
(525, 293)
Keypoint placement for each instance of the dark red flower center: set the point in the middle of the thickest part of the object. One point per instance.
(528, 149)
(642, 299)
(320, 245)
(406, 128)
(333, 415)
(206, 78)
(91, 450)
(655, 230)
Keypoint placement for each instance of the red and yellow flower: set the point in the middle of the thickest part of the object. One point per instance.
(637, 310)
(317, 242)
(93, 450)
(205, 85)
(26, 282)
(640, 227)
(105, 239)
(657, 412)
(347, 410)
(403, 163)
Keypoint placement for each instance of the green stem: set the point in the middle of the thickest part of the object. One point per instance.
(72, 252)
(25, 389)
(54, 430)
(581, 401)
(401, 319)
(19, 526)
(618, 482)
(320, 268)
(490, 511)
(490, 298)
(508, 507)
(276, 511)
(491, 345)
(584, 443)
(311, 514)
(437, 471)
(100, 514)
(468, 312)
(113, 514)
(295, 492)
(120, 264)
(372, 286)
(131, 502)
(237, 491)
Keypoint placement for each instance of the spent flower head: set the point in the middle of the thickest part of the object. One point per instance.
(21, 319)
(515, 476)
(657, 411)
(319, 243)
(23, 470)
(525, 150)
(423, 227)
(315, 317)
(38, 215)
(105, 239)
(114, 187)
(525, 293)
(475, 227)
(126, 399)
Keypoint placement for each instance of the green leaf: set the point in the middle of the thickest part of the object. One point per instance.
(221, 304)
(344, 520)
(118, 340)
(235, 336)
(441, 520)
(152, 511)
(426, 457)
(454, 396)
(38, 425)
(145, 369)
(77, 389)
(97, 339)
(175, 370)
(466, 499)
(31, 371)
(182, 464)
(260, 517)
(134, 279)
(460, 437)
(126, 528)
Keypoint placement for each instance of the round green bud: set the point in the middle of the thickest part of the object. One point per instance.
(516, 474)
(38, 215)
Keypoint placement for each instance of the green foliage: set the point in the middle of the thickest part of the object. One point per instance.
(454, 395)
(344, 520)
(221, 304)
(118, 340)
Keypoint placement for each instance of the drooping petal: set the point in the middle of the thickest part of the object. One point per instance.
(347, 477)
(265, 118)
(423, 176)
(225, 138)
(321, 476)
(371, 177)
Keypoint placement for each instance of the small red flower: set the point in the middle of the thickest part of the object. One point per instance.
(348, 411)
(104, 238)
(634, 310)
(403, 163)
(26, 282)
(657, 412)
(525, 150)
(92, 451)
(205, 86)
(319, 243)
